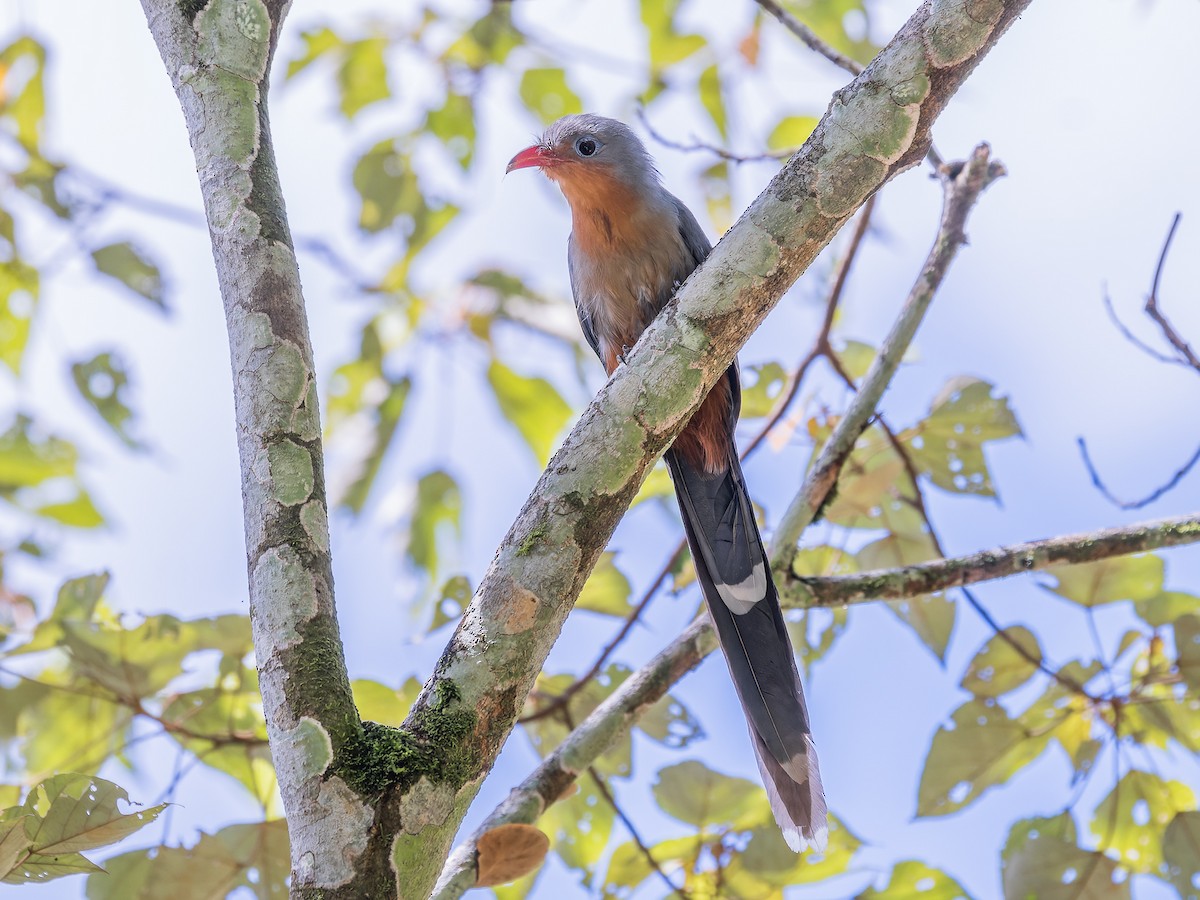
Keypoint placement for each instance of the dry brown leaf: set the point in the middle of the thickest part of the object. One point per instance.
(507, 852)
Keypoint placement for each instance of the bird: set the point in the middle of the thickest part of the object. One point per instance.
(632, 244)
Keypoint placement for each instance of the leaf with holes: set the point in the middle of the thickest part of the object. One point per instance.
(670, 723)
(22, 89)
(767, 864)
(19, 293)
(1042, 859)
(579, 827)
(1132, 819)
(438, 511)
(533, 405)
(761, 387)
(628, 866)
(979, 748)
(1181, 854)
(695, 794)
(80, 812)
(547, 732)
(998, 667)
(914, 880)
(1109, 580)
(947, 446)
(101, 381)
(128, 265)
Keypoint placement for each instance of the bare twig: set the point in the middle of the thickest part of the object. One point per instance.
(809, 37)
(633, 833)
(699, 146)
(1173, 337)
(1164, 488)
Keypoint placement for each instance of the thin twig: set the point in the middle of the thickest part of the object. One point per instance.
(809, 37)
(633, 833)
(1164, 488)
(697, 146)
(1181, 346)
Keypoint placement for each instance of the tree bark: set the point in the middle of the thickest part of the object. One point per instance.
(218, 55)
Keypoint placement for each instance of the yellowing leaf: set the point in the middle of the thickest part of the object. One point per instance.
(532, 405)
(667, 45)
(507, 852)
(914, 880)
(438, 509)
(363, 75)
(709, 88)
(670, 723)
(998, 668)
(761, 388)
(1132, 819)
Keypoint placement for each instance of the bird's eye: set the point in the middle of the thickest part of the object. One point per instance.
(586, 147)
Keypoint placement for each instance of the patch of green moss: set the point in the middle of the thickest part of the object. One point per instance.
(437, 747)
(189, 8)
(532, 539)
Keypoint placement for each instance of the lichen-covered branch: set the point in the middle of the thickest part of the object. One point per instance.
(217, 54)
(986, 565)
(962, 185)
(621, 710)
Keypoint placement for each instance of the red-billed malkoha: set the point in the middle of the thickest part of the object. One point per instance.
(632, 244)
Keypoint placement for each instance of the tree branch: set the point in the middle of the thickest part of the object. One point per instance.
(962, 186)
(987, 565)
(217, 55)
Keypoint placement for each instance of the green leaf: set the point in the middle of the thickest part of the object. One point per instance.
(37, 868)
(389, 187)
(856, 358)
(254, 857)
(547, 732)
(1041, 859)
(1109, 580)
(761, 391)
(101, 381)
(490, 39)
(1163, 609)
(914, 880)
(19, 293)
(980, 748)
(547, 95)
(718, 196)
(317, 43)
(579, 827)
(377, 702)
(873, 492)
(1187, 649)
(78, 512)
(70, 731)
(386, 415)
(532, 405)
(1181, 853)
(456, 594)
(607, 589)
(789, 133)
(79, 812)
(666, 45)
(454, 124)
(129, 266)
(768, 864)
(670, 723)
(25, 462)
(1132, 819)
(438, 509)
(931, 616)
(709, 88)
(947, 446)
(695, 794)
(363, 75)
(998, 668)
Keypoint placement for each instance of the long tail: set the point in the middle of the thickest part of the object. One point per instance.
(734, 575)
